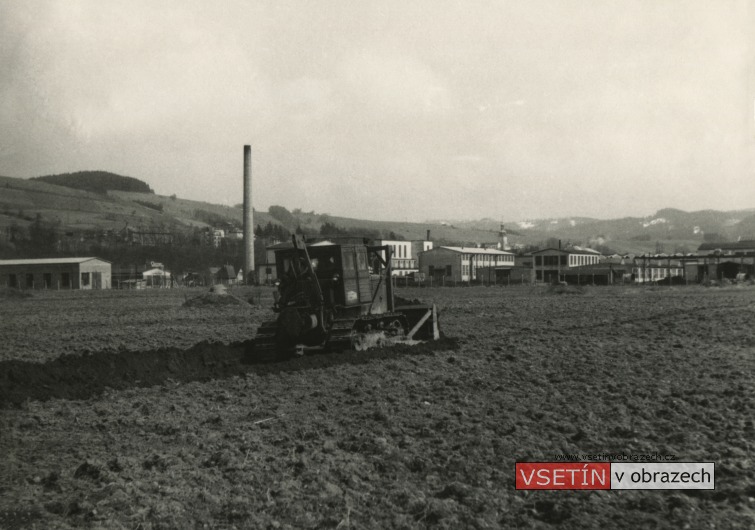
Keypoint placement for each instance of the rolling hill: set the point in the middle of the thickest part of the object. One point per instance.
(100, 201)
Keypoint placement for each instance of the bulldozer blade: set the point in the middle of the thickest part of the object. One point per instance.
(423, 321)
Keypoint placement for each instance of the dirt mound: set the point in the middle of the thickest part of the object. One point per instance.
(10, 293)
(217, 296)
(83, 376)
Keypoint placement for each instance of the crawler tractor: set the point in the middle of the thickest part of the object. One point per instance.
(338, 297)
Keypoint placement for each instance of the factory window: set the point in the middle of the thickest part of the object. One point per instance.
(538, 260)
(563, 260)
(85, 279)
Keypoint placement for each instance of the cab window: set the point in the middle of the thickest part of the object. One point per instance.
(348, 260)
(361, 260)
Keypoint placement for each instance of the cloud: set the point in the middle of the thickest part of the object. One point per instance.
(552, 104)
(392, 84)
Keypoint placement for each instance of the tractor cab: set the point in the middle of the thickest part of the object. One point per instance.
(349, 277)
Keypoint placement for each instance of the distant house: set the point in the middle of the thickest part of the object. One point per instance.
(462, 264)
(235, 233)
(56, 273)
(225, 275)
(217, 236)
(266, 272)
(156, 277)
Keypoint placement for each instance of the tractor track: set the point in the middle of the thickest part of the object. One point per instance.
(86, 376)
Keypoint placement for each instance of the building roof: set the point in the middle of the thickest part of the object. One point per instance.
(573, 250)
(156, 272)
(736, 245)
(597, 268)
(47, 261)
(391, 241)
(276, 246)
(475, 250)
(289, 244)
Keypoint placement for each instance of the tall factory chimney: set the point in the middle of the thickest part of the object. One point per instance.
(503, 240)
(248, 218)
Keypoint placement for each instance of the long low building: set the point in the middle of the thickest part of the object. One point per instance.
(550, 264)
(56, 273)
(462, 264)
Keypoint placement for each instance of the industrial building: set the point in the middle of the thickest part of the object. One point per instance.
(405, 254)
(604, 273)
(56, 273)
(656, 267)
(718, 261)
(462, 264)
(551, 263)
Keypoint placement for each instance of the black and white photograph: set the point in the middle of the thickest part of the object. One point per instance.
(286, 264)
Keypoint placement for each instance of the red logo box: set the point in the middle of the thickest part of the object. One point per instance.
(563, 475)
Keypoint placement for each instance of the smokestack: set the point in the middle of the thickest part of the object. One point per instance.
(503, 240)
(428, 236)
(248, 218)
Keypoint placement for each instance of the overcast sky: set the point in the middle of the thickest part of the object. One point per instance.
(406, 110)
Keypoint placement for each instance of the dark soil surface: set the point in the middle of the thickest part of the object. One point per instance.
(128, 410)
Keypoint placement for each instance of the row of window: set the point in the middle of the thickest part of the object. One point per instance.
(45, 280)
(484, 260)
(574, 260)
(27, 281)
(404, 263)
(400, 251)
(655, 273)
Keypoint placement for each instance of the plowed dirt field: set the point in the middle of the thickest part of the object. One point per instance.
(129, 410)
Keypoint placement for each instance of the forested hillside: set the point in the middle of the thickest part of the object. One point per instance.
(97, 182)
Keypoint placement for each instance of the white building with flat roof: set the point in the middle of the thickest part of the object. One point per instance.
(405, 254)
